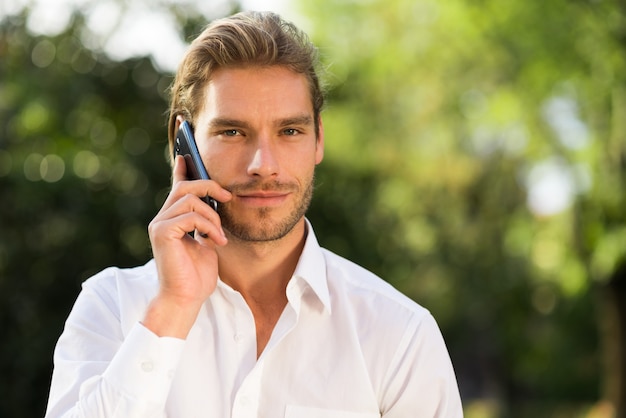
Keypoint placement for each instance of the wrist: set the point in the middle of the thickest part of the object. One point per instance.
(169, 317)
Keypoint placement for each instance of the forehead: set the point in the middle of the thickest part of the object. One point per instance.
(256, 90)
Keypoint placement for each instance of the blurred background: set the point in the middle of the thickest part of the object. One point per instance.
(475, 159)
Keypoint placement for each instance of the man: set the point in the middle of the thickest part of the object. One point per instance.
(248, 317)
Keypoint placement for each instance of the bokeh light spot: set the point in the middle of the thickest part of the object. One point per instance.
(43, 53)
(52, 168)
(32, 167)
(86, 164)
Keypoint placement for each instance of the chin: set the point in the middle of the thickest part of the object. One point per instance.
(264, 227)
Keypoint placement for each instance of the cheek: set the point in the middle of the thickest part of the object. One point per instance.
(304, 172)
(218, 163)
(221, 167)
(302, 164)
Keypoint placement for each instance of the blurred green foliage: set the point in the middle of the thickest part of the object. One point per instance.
(464, 112)
(441, 117)
(83, 171)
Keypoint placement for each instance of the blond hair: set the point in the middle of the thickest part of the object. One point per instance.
(244, 39)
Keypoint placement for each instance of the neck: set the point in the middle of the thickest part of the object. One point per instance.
(260, 271)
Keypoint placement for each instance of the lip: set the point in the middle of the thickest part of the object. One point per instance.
(263, 199)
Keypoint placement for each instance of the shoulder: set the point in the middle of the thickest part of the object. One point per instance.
(369, 294)
(114, 277)
(375, 312)
(121, 292)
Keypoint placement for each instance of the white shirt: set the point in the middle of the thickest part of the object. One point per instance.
(347, 345)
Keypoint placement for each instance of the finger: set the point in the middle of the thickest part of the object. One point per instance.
(214, 237)
(176, 228)
(180, 169)
(200, 188)
(186, 204)
(208, 223)
(205, 231)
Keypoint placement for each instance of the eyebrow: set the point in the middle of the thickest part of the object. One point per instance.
(296, 120)
(218, 123)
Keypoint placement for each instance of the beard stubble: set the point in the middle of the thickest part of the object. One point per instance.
(263, 228)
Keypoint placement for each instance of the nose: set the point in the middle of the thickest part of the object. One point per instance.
(264, 162)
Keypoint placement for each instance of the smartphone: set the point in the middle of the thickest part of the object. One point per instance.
(186, 146)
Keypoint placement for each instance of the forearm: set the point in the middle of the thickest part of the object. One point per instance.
(135, 383)
(100, 399)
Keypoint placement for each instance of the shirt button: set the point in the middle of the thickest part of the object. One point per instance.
(147, 366)
(238, 338)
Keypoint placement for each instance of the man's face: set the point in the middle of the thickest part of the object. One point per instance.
(256, 135)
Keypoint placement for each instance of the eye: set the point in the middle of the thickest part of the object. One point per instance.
(230, 132)
(290, 131)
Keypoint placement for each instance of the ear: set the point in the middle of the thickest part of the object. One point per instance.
(319, 145)
(179, 120)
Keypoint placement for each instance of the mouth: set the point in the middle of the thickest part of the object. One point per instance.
(263, 198)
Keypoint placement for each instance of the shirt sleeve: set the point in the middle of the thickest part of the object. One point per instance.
(420, 381)
(100, 372)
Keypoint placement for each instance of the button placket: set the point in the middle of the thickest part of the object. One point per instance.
(247, 398)
(244, 326)
(147, 366)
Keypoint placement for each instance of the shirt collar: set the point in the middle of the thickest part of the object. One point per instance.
(311, 267)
